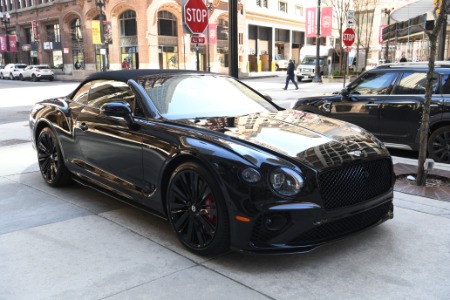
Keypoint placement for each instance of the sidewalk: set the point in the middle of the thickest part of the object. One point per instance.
(74, 243)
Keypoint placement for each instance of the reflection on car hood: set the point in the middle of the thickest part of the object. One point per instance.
(316, 140)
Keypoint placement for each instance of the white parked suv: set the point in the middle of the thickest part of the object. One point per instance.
(36, 73)
(12, 71)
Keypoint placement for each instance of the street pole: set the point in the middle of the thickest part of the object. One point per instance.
(197, 56)
(386, 54)
(233, 39)
(100, 4)
(317, 77)
(5, 19)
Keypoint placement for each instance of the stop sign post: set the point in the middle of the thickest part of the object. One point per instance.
(348, 37)
(196, 16)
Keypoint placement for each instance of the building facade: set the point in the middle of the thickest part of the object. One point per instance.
(150, 34)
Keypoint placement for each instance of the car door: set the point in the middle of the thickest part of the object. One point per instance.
(362, 100)
(401, 113)
(109, 149)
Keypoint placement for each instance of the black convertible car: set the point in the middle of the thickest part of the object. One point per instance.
(226, 166)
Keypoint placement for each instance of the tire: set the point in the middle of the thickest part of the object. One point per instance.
(2, 76)
(197, 210)
(50, 79)
(21, 77)
(33, 78)
(50, 159)
(439, 145)
(11, 76)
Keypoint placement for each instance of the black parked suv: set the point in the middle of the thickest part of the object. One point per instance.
(388, 101)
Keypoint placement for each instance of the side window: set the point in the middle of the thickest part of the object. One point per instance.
(412, 83)
(104, 91)
(445, 84)
(373, 83)
(81, 95)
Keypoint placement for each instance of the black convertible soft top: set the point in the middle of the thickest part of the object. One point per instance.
(125, 75)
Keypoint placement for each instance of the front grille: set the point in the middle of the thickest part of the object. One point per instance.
(342, 227)
(355, 183)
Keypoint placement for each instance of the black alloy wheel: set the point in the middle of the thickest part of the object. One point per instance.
(439, 145)
(197, 210)
(50, 159)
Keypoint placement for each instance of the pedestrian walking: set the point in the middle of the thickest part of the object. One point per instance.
(290, 75)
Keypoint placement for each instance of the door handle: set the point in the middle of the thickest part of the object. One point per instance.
(372, 104)
(83, 126)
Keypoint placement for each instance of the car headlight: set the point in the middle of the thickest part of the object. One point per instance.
(251, 175)
(286, 182)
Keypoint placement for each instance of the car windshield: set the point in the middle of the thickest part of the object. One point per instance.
(42, 67)
(20, 66)
(200, 96)
(311, 60)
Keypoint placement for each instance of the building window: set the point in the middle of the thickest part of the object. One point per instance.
(75, 30)
(53, 33)
(299, 11)
(261, 3)
(282, 6)
(128, 40)
(128, 23)
(167, 24)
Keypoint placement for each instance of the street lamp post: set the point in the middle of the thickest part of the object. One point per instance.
(5, 19)
(317, 77)
(388, 13)
(100, 4)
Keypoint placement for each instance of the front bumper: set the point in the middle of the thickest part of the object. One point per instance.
(298, 228)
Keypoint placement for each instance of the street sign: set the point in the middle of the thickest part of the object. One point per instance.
(197, 39)
(348, 37)
(350, 18)
(196, 16)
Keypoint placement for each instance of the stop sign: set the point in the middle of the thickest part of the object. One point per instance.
(196, 15)
(348, 37)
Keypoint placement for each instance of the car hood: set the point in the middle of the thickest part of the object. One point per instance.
(312, 139)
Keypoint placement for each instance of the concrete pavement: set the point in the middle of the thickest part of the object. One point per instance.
(75, 243)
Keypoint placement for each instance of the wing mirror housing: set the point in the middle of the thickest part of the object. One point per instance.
(119, 110)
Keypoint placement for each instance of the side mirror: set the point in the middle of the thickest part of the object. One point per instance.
(344, 92)
(118, 109)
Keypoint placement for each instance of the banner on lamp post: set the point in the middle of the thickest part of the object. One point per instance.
(380, 34)
(96, 37)
(107, 32)
(310, 22)
(12, 39)
(326, 22)
(212, 33)
(2, 42)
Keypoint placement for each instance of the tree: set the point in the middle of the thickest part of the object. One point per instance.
(425, 126)
(340, 10)
(364, 13)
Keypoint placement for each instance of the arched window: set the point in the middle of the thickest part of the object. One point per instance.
(75, 30)
(128, 25)
(128, 40)
(167, 24)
